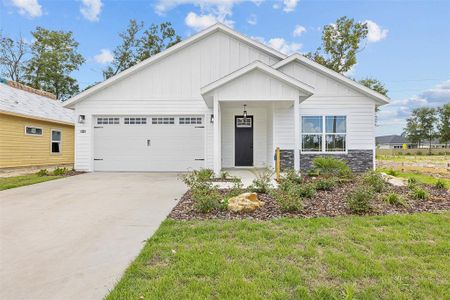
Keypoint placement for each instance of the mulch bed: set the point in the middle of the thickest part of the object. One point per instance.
(322, 204)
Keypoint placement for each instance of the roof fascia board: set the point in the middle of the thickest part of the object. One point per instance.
(35, 118)
(381, 99)
(202, 34)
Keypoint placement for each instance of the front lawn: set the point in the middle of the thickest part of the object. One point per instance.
(17, 181)
(387, 257)
(422, 178)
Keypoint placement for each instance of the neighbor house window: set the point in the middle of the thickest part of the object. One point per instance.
(56, 141)
(324, 134)
(29, 130)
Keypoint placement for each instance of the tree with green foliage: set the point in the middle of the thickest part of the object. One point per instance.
(54, 58)
(341, 42)
(374, 84)
(424, 121)
(444, 124)
(412, 131)
(12, 58)
(138, 45)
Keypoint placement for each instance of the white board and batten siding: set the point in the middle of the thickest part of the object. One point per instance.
(170, 86)
(333, 98)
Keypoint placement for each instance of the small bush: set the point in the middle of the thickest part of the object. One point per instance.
(288, 200)
(292, 176)
(305, 190)
(329, 166)
(42, 173)
(440, 184)
(60, 171)
(312, 173)
(394, 199)
(325, 184)
(392, 172)
(263, 182)
(419, 193)
(205, 174)
(359, 200)
(224, 175)
(419, 153)
(206, 198)
(236, 189)
(408, 153)
(374, 180)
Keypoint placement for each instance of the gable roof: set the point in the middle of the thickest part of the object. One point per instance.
(379, 98)
(258, 65)
(201, 35)
(391, 139)
(19, 102)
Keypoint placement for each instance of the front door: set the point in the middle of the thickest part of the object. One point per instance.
(243, 141)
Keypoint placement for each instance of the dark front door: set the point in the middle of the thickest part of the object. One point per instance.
(243, 141)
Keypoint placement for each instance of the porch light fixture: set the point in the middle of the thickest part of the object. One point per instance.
(211, 120)
(245, 111)
(81, 119)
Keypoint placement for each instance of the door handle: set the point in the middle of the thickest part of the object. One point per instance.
(149, 143)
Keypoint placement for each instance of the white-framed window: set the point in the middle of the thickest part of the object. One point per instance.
(189, 120)
(135, 120)
(108, 120)
(243, 122)
(55, 144)
(31, 130)
(324, 133)
(163, 120)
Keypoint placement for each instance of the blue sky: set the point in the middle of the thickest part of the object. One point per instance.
(408, 46)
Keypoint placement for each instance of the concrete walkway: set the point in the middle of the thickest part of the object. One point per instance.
(72, 238)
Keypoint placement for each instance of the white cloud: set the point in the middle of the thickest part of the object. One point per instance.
(280, 44)
(91, 9)
(30, 8)
(104, 57)
(252, 20)
(299, 30)
(376, 33)
(289, 5)
(276, 5)
(199, 22)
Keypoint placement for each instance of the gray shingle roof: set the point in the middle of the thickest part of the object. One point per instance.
(25, 103)
(390, 139)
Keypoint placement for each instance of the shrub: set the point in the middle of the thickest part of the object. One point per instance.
(312, 173)
(263, 181)
(236, 189)
(60, 171)
(206, 198)
(419, 153)
(205, 174)
(292, 176)
(394, 199)
(419, 193)
(288, 200)
(325, 184)
(374, 180)
(392, 172)
(42, 173)
(224, 175)
(359, 200)
(329, 166)
(305, 190)
(440, 184)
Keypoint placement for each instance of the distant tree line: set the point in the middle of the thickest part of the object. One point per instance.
(427, 124)
(49, 60)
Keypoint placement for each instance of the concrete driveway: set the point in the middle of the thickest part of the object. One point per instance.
(72, 238)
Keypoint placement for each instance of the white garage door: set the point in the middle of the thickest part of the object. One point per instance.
(148, 143)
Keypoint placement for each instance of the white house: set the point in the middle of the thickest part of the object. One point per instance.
(222, 100)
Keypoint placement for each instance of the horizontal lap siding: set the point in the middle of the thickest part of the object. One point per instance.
(20, 150)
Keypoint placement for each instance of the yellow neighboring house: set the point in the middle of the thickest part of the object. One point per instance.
(36, 131)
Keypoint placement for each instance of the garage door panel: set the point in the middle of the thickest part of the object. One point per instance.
(148, 147)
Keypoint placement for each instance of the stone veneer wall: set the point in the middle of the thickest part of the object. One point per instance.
(358, 160)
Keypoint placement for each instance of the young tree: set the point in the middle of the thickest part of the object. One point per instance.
(412, 130)
(12, 58)
(424, 120)
(54, 58)
(340, 44)
(444, 124)
(136, 47)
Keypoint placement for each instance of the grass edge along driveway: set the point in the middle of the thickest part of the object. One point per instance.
(23, 180)
(387, 257)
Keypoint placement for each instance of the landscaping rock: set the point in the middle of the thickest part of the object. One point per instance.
(246, 202)
(395, 181)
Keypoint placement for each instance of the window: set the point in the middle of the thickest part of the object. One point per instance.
(56, 141)
(163, 120)
(107, 121)
(190, 120)
(243, 122)
(135, 120)
(324, 134)
(33, 130)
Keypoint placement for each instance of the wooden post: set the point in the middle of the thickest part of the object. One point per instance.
(277, 165)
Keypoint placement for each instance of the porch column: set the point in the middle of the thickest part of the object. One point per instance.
(297, 136)
(216, 135)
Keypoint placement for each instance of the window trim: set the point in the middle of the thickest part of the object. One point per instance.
(31, 126)
(324, 134)
(51, 142)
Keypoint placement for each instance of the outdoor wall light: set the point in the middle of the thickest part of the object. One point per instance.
(211, 120)
(81, 119)
(245, 111)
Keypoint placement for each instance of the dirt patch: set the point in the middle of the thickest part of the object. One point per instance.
(322, 204)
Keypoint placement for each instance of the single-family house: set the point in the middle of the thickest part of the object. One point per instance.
(393, 142)
(222, 100)
(35, 129)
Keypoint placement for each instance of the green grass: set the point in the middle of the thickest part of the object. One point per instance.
(17, 181)
(422, 178)
(381, 257)
(414, 158)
